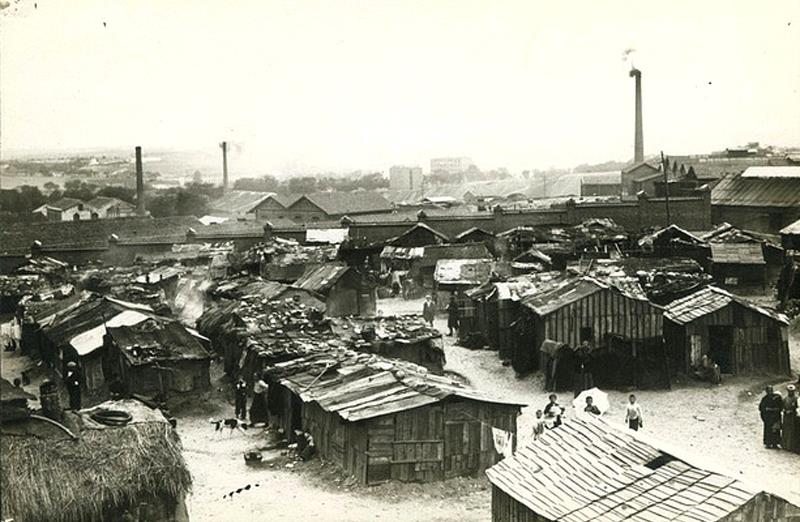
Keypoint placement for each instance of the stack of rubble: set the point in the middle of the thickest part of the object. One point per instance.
(281, 259)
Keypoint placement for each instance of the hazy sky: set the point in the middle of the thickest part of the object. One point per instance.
(367, 84)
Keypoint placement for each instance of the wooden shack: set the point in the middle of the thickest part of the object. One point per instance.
(453, 277)
(156, 358)
(738, 335)
(345, 289)
(423, 268)
(418, 235)
(738, 264)
(622, 327)
(587, 469)
(382, 420)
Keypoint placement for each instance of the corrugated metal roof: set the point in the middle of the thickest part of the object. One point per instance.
(463, 271)
(757, 191)
(364, 386)
(737, 253)
(781, 171)
(321, 278)
(565, 291)
(342, 203)
(588, 470)
(708, 300)
(144, 343)
(239, 201)
(391, 252)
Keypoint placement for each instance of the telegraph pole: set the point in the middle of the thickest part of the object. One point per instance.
(665, 167)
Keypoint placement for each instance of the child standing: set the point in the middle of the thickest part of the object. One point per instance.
(538, 425)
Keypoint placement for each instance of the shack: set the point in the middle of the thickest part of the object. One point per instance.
(455, 276)
(346, 290)
(674, 241)
(738, 264)
(417, 236)
(590, 470)
(380, 419)
(423, 268)
(93, 471)
(623, 329)
(156, 359)
(738, 335)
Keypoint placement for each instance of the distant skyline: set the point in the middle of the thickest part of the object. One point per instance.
(346, 85)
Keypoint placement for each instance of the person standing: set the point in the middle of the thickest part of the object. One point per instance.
(633, 413)
(429, 310)
(258, 409)
(770, 409)
(72, 380)
(240, 390)
(452, 315)
(791, 435)
(538, 425)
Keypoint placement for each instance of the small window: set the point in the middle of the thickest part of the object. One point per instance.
(586, 334)
(76, 217)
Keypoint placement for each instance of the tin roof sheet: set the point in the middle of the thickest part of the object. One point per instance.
(708, 300)
(757, 191)
(588, 470)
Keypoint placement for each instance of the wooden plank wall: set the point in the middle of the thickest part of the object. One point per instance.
(506, 509)
(759, 342)
(605, 312)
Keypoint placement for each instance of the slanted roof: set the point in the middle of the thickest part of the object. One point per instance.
(437, 237)
(757, 191)
(321, 279)
(474, 231)
(567, 291)
(727, 233)
(612, 177)
(65, 203)
(709, 300)
(434, 253)
(792, 229)
(764, 171)
(636, 166)
(587, 469)
(670, 233)
(238, 202)
(737, 253)
(343, 203)
(463, 271)
(360, 386)
(101, 202)
(393, 252)
(157, 341)
(330, 236)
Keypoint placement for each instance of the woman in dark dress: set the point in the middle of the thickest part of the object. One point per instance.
(452, 316)
(770, 409)
(258, 410)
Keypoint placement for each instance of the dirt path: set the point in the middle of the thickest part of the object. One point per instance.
(718, 425)
(301, 493)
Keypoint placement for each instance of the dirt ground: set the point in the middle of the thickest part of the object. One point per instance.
(718, 425)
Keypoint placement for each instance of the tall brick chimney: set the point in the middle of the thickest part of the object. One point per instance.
(224, 166)
(139, 183)
(638, 143)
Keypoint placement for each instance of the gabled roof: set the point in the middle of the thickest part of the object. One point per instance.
(477, 231)
(568, 291)
(321, 278)
(757, 191)
(438, 237)
(239, 201)
(727, 233)
(65, 204)
(343, 203)
(635, 166)
(671, 233)
(709, 300)
(587, 469)
(737, 253)
(612, 177)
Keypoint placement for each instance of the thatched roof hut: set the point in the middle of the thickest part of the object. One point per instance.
(49, 476)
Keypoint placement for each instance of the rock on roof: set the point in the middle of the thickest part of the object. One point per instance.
(709, 300)
(343, 203)
(589, 470)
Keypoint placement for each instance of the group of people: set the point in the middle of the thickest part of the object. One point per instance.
(550, 416)
(780, 416)
(258, 408)
(429, 313)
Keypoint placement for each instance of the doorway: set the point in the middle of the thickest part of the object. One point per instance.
(721, 347)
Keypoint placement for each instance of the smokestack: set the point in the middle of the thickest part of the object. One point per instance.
(638, 144)
(139, 183)
(225, 166)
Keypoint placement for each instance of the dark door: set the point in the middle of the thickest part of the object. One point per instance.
(721, 347)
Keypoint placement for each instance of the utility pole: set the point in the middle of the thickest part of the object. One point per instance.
(665, 167)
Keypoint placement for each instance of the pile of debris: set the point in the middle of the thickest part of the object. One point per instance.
(282, 259)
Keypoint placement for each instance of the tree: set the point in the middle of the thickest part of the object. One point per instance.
(22, 201)
(302, 185)
(78, 189)
(119, 192)
(50, 186)
(177, 202)
(263, 184)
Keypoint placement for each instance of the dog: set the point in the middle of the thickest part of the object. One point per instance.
(231, 424)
